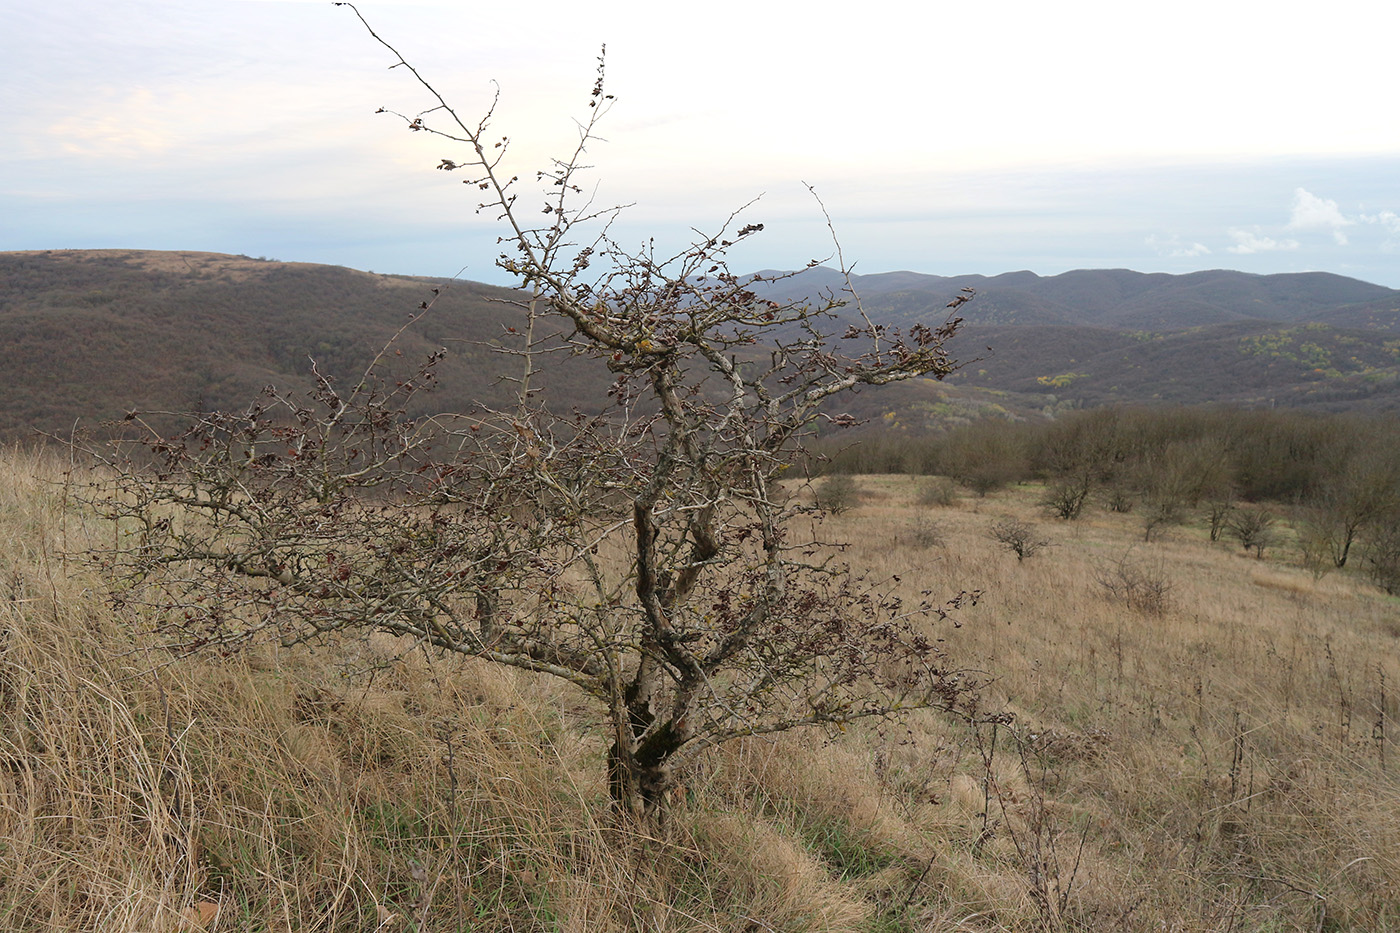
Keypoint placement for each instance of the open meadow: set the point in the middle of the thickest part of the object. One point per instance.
(1175, 736)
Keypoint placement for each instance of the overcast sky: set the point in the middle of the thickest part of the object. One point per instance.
(944, 137)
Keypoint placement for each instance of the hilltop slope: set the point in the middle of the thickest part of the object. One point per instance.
(90, 335)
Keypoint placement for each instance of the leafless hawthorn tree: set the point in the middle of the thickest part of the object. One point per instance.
(1018, 537)
(1254, 529)
(645, 555)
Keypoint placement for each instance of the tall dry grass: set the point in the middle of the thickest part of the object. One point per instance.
(1215, 763)
(1227, 762)
(345, 787)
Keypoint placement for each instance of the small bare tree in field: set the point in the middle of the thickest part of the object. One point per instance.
(1140, 583)
(1254, 529)
(838, 493)
(1018, 537)
(645, 555)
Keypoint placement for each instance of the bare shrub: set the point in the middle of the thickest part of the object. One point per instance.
(839, 493)
(1118, 498)
(1018, 537)
(937, 491)
(1065, 496)
(927, 533)
(1049, 853)
(1136, 582)
(1253, 529)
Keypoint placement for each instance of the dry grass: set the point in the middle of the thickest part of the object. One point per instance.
(1225, 754)
(1216, 765)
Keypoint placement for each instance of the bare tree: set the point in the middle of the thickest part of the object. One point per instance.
(1254, 529)
(646, 555)
(1354, 495)
(1018, 537)
(1382, 554)
(1077, 457)
(1218, 512)
(1174, 476)
(983, 456)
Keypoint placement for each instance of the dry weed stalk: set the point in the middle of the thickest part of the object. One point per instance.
(1030, 822)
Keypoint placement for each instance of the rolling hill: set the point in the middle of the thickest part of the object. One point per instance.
(1096, 337)
(89, 335)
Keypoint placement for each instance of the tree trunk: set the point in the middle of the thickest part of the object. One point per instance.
(640, 780)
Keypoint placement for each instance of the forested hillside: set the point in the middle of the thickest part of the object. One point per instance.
(1092, 337)
(90, 335)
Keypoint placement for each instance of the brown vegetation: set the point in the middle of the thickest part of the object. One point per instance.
(91, 334)
(1226, 762)
(1338, 477)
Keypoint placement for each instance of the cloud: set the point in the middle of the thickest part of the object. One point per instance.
(1173, 247)
(1387, 219)
(132, 125)
(1313, 213)
(1248, 242)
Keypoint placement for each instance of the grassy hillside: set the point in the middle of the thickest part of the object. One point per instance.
(91, 334)
(1221, 759)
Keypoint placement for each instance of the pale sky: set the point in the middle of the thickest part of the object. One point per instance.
(944, 137)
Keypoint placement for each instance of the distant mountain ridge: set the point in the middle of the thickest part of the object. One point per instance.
(1114, 336)
(1114, 298)
(91, 334)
